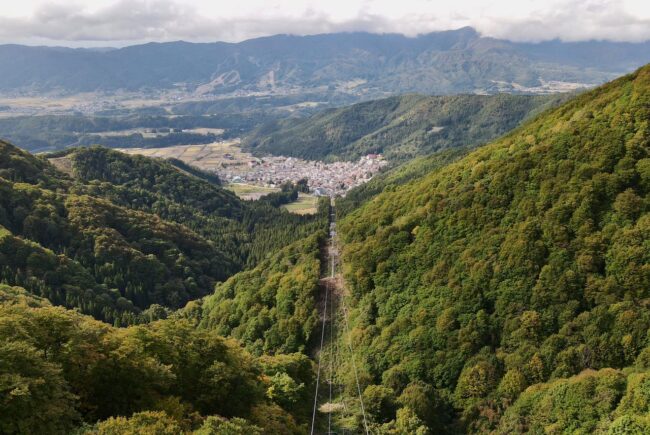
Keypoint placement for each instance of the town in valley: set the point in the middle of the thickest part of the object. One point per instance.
(234, 166)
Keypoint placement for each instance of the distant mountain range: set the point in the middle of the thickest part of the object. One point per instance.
(360, 64)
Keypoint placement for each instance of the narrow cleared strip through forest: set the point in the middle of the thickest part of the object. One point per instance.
(332, 410)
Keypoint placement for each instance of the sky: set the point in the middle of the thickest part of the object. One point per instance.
(103, 23)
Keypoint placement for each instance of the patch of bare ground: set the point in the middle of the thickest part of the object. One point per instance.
(63, 164)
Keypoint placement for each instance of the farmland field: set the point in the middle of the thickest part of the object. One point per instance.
(306, 204)
(249, 191)
(209, 157)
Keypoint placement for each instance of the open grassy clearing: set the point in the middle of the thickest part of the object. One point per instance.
(249, 191)
(306, 204)
(208, 157)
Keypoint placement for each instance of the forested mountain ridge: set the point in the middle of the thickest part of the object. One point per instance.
(124, 234)
(360, 64)
(19, 166)
(522, 263)
(400, 127)
(249, 230)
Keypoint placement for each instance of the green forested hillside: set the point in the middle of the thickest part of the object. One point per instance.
(400, 127)
(272, 311)
(519, 266)
(126, 240)
(19, 166)
(247, 231)
(604, 401)
(271, 308)
(62, 372)
(122, 234)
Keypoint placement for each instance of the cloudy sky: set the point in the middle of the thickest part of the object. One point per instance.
(126, 22)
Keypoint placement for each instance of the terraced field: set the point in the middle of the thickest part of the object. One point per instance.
(209, 157)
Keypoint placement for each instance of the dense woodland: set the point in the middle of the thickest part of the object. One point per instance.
(124, 238)
(400, 127)
(106, 240)
(63, 372)
(272, 307)
(271, 310)
(509, 291)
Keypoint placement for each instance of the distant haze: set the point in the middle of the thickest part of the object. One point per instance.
(97, 23)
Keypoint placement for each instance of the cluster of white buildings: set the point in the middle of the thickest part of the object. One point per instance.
(326, 179)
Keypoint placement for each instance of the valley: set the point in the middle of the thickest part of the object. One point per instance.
(235, 166)
(172, 101)
(473, 286)
(431, 232)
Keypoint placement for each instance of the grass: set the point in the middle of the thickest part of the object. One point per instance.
(63, 164)
(306, 204)
(209, 157)
(249, 191)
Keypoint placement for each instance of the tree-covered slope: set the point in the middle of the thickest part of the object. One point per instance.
(272, 311)
(246, 230)
(84, 251)
(400, 127)
(271, 308)
(121, 237)
(62, 372)
(527, 260)
(604, 401)
(17, 165)
(107, 238)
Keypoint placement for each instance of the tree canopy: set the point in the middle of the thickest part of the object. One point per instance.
(524, 262)
(61, 370)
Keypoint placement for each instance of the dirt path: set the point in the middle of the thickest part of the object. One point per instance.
(331, 405)
(325, 352)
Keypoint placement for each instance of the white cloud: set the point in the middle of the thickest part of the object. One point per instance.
(121, 22)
